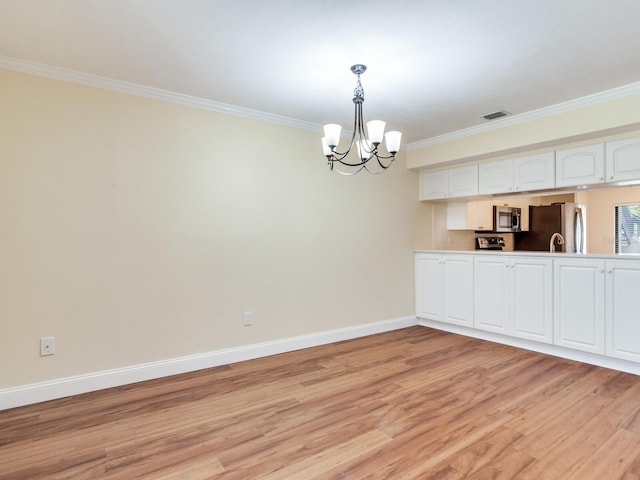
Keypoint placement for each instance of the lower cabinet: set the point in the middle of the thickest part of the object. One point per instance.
(587, 304)
(579, 311)
(623, 310)
(513, 296)
(444, 288)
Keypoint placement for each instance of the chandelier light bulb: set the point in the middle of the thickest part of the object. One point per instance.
(364, 149)
(326, 149)
(332, 134)
(392, 141)
(375, 129)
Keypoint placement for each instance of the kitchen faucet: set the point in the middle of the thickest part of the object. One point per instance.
(552, 242)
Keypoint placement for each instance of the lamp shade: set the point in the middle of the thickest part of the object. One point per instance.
(392, 140)
(325, 148)
(364, 149)
(332, 134)
(375, 129)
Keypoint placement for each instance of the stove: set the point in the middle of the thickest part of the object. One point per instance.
(489, 243)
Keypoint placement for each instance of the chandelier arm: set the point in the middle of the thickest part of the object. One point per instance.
(348, 164)
(384, 157)
(348, 174)
(382, 165)
(374, 173)
(338, 156)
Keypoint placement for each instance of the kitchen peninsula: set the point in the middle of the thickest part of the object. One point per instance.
(581, 307)
(578, 306)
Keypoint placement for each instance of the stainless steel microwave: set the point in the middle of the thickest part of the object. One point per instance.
(507, 219)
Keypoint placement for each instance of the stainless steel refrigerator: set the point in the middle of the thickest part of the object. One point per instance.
(567, 219)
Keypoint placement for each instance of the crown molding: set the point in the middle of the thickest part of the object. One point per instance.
(586, 101)
(105, 83)
(90, 80)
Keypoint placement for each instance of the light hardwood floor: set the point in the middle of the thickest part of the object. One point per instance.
(410, 404)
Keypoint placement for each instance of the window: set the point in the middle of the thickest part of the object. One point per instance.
(627, 223)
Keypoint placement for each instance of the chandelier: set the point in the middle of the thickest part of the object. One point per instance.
(366, 146)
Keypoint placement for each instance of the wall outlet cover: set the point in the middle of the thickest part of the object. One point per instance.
(47, 346)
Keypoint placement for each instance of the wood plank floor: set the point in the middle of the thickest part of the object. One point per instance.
(410, 404)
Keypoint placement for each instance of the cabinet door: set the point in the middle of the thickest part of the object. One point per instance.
(458, 290)
(534, 172)
(463, 181)
(579, 304)
(470, 216)
(428, 271)
(434, 185)
(580, 166)
(457, 216)
(495, 177)
(490, 294)
(623, 160)
(480, 215)
(532, 299)
(623, 310)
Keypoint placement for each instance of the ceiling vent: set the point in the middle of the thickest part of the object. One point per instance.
(494, 115)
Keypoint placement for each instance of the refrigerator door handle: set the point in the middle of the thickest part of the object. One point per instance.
(579, 232)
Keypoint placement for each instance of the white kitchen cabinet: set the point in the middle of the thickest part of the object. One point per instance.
(513, 296)
(495, 177)
(623, 309)
(580, 166)
(434, 185)
(470, 215)
(490, 296)
(532, 172)
(532, 297)
(444, 288)
(623, 160)
(451, 183)
(579, 304)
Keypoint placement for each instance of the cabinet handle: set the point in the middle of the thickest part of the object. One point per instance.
(601, 178)
(611, 177)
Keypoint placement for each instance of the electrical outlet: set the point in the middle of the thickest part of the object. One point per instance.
(47, 346)
(248, 319)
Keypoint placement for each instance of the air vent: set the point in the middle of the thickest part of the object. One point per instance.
(494, 115)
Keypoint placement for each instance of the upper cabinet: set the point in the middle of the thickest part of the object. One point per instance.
(612, 162)
(495, 177)
(470, 215)
(580, 165)
(623, 160)
(533, 172)
(451, 183)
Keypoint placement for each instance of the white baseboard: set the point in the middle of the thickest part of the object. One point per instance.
(64, 387)
(556, 351)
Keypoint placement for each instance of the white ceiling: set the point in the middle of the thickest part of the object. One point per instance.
(434, 66)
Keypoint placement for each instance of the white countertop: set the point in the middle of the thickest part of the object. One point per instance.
(521, 253)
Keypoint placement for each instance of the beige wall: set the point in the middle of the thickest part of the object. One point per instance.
(585, 124)
(135, 230)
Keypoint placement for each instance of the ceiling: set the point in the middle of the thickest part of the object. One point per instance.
(434, 66)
